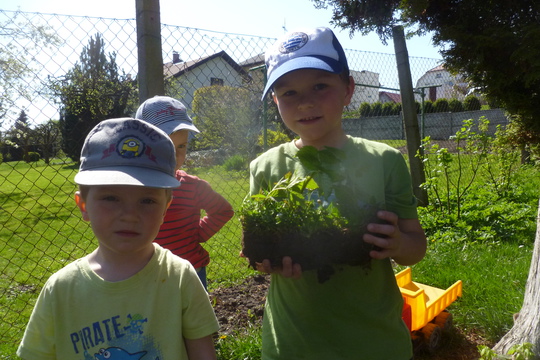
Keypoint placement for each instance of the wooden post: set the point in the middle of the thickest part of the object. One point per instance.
(150, 59)
(410, 119)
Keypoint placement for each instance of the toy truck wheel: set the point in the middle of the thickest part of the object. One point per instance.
(444, 320)
(432, 336)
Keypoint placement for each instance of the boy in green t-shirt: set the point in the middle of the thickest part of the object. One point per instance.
(129, 298)
(356, 314)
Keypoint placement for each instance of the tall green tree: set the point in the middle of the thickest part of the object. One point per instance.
(20, 137)
(494, 44)
(92, 91)
(227, 119)
(48, 137)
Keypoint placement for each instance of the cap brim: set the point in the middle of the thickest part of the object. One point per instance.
(304, 62)
(173, 126)
(124, 175)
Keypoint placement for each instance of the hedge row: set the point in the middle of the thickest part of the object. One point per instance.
(470, 103)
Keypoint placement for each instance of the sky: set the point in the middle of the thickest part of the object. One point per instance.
(247, 17)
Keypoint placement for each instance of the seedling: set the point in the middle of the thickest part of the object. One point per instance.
(314, 219)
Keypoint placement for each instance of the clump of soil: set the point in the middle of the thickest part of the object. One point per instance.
(320, 251)
(242, 305)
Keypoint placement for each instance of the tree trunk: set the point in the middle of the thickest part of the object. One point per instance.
(526, 327)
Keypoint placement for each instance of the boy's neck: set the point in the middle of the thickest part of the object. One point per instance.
(118, 267)
(336, 142)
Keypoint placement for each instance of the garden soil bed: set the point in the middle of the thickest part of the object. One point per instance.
(240, 306)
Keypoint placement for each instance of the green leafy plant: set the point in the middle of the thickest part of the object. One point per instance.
(235, 162)
(296, 217)
(274, 138)
(516, 352)
(445, 175)
(472, 189)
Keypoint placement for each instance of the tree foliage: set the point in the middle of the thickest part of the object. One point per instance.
(21, 39)
(364, 16)
(494, 44)
(48, 139)
(226, 118)
(20, 137)
(92, 91)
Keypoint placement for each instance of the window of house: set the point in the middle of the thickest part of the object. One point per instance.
(216, 81)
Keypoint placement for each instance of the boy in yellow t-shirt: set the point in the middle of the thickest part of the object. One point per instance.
(129, 298)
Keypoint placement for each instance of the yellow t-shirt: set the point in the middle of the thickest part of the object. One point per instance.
(78, 315)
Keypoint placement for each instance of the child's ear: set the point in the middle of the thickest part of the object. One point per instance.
(274, 97)
(167, 207)
(350, 91)
(165, 211)
(82, 206)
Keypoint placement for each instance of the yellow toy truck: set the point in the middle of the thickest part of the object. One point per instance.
(424, 310)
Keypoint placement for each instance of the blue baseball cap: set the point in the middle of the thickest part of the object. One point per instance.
(166, 113)
(304, 49)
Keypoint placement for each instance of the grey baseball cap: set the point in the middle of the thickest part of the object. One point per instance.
(166, 113)
(127, 151)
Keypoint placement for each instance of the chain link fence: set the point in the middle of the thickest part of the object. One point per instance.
(46, 62)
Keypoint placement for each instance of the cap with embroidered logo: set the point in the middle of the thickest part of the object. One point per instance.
(304, 49)
(166, 113)
(127, 151)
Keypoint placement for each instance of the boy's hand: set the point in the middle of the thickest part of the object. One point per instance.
(288, 269)
(400, 239)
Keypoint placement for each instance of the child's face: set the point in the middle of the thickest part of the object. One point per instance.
(125, 219)
(311, 104)
(180, 141)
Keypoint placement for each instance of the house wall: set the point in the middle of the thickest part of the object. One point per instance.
(448, 86)
(201, 76)
(257, 76)
(364, 93)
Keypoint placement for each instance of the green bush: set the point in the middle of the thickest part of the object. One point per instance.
(273, 138)
(235, 162)
(396, 108)
(428, 107)
(376, 109)
(32, 157)
(454, 105)
(387, 108)
(365, 109)
(418, 107)
(1, 158)
(471, 103)
(441, 105)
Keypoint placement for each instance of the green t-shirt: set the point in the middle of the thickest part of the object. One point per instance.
(78, 315)
(356, 314)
